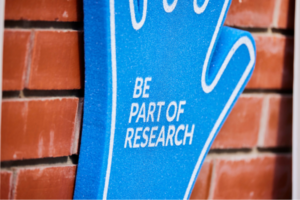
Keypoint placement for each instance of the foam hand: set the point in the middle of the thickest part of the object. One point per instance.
(161, 78)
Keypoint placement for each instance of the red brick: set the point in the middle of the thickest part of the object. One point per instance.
(5, 184)
(15, 58)
(202, 184)
(251, 13)
(264, 177)
(279, 123)
(286, 14)
(57, 60)
(44, 10)
(274, 64)
(241, 128)
(38, 128)
(55, 182)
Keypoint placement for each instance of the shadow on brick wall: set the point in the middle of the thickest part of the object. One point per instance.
(282, 185)
(288, 64)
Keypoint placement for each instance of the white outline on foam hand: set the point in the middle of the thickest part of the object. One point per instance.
(114, 95)
(209, 88)
(169, 8)
(201, 9)
(137, 25)
(244, 40)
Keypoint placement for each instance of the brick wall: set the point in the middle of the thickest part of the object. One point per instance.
(43, 98)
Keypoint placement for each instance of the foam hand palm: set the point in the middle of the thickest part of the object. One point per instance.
(161, 78)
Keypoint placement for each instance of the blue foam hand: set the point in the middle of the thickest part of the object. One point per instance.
(161, 78)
